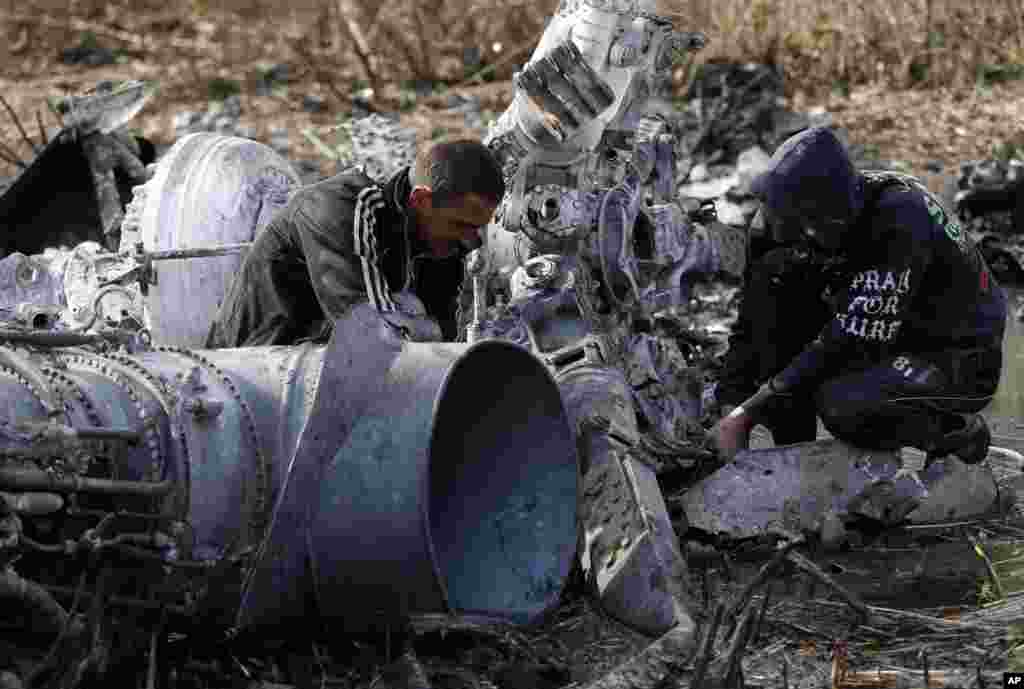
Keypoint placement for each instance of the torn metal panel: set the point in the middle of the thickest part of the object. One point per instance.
(75, 188)
(105, 107)
(52, 202)
(801, 487)
(630, 553)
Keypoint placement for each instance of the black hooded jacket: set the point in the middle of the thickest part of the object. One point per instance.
(916, 283)
(344, 240)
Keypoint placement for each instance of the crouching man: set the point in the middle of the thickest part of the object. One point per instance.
(908, 319)
(351, 239)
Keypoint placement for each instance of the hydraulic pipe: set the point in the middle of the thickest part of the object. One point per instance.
(198, 252)
(12, 478)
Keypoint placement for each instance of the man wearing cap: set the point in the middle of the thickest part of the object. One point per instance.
(868, 305)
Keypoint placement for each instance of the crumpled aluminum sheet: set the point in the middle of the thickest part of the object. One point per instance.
(795, 487)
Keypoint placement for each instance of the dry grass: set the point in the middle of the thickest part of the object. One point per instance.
(902, 43)
(820, 44)
(854, 58)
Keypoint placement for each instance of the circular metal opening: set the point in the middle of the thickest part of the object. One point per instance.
(502, 485)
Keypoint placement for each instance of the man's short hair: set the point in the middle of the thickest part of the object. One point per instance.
(452, 168)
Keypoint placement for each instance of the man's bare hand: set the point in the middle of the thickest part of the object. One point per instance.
(732, 434)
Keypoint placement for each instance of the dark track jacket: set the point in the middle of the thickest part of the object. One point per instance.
(341, 241)
(914, 281)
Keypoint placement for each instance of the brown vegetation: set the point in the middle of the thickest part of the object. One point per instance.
(829, 50)
(820, 44)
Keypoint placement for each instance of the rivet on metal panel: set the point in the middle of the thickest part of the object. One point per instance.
(262, 468)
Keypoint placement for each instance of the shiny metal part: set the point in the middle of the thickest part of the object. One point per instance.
(106, 107)
(580, 255)
(208, 190)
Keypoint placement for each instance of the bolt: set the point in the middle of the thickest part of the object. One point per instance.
(203, 408)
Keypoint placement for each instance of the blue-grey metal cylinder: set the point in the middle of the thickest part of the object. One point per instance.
(430, 478)
(208, 190)
(383, 479)
(459, 486)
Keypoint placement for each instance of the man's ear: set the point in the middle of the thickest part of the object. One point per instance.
(421, 197)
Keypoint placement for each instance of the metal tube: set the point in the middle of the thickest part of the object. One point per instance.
(31, 373)
(12, 478)
(199, 252)
(48, 339)
(127, 434)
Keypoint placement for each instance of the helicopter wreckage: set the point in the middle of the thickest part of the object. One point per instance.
(247, 489)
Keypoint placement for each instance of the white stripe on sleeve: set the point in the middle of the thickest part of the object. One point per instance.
(368, 202)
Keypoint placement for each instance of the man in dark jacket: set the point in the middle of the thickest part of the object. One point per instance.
(909, 320)
(349, 239)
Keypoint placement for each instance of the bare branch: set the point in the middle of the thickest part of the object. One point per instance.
(12, 161)
(20, 43)
(17, 123)
(781, 552)
(320, 74)
(424, 65)
(852, 599)
(42, 129)
(707, 645)
(360, 45)
(11, 157)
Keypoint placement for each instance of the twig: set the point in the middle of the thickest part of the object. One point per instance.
(782, 551)
(935, 623)
(815, 571)
(11, 157)
(42, 129)
(17, 123)
(360, 44)
(284, 101)
(760, 615)
(320, 74)
(979, 679)
(989, 568)
(739, 641)
(20, 43)
(73, 24)
(707, 644)
(424, 65)
(154, 640)
(785, 671)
